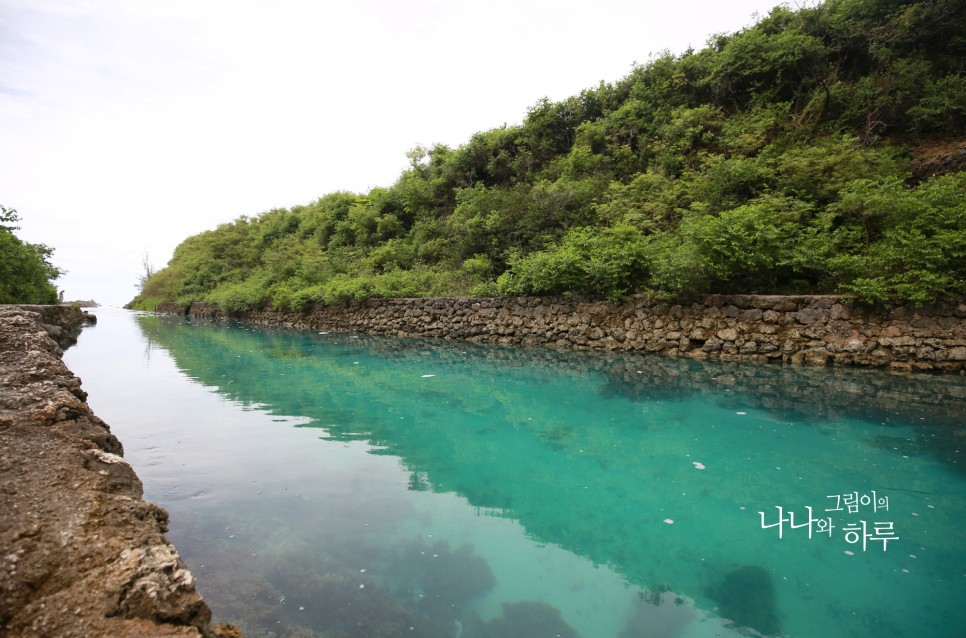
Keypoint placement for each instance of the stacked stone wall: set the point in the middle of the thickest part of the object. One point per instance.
(811, 330)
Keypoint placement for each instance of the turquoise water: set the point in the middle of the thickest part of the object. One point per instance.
(339, 485)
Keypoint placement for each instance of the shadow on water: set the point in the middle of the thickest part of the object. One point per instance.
(746, 597)
(474, 421)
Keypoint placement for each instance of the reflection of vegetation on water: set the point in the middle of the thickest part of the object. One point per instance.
(584, 450)
(659, 613)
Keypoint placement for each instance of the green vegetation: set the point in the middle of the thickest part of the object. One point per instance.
(25, 272)
(776, 160)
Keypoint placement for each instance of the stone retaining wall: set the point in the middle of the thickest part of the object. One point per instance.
(812, 330)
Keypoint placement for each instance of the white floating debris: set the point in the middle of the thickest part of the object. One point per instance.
(301, 608)
(669, 521)
(850, 553)
(914, 514)
(435, 555)
(362, 571)
(362, 586)
(426, 376)
(741, 413)
(905, 571)
(699, 466)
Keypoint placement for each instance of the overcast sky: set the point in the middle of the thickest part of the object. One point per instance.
(128, 125)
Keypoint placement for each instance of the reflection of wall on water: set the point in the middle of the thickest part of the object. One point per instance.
(793, 391)
(934, 404)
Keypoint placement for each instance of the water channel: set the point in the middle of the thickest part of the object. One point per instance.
(330, 484)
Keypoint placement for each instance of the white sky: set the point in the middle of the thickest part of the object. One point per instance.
(128, 125)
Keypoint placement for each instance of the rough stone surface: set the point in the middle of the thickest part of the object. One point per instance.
(81, 554)
(816, 330)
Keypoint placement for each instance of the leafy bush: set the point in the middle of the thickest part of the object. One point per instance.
(25, 269)
(915, 246)
(738, 250)
(611, 262)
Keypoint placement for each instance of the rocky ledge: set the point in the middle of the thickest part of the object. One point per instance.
(81, 554)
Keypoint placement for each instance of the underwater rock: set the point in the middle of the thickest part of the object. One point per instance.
(438, 580)
(325, 595)
(530, 619)
(243, 595)
(658, 614)
(746, 597)
(453, 577)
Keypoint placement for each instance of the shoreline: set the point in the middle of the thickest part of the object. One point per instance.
(82, 553)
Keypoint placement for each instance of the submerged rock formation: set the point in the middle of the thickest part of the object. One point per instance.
(746, 596)
(81, 554)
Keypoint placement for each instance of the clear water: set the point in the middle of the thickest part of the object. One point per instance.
(337, 485)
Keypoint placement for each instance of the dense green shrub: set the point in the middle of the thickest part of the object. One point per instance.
(26, 273)
(613, 262)
(777, 159)
(914, 248)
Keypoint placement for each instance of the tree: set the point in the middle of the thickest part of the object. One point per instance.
(26, 273)
(147, 272)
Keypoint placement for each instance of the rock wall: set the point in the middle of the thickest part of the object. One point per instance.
(811, 330)
(62, 323)
(81, 554)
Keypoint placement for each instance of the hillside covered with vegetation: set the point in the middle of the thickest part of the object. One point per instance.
(779, 159)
